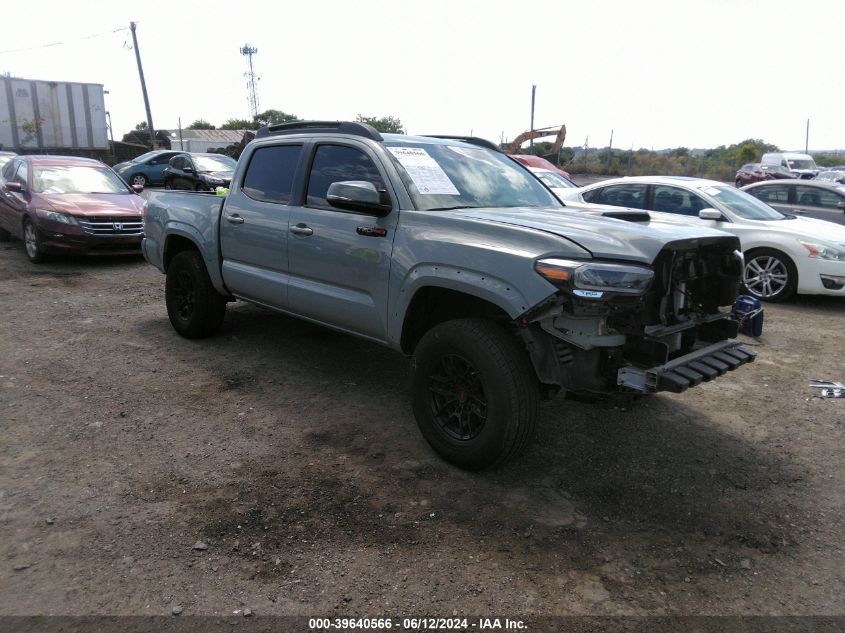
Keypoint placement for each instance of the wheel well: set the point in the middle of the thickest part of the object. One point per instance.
(176, 244)
(432, 305)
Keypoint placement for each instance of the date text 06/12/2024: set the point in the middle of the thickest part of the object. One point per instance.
(415, 624)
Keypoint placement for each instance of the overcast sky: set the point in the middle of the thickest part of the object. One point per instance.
(658, 73)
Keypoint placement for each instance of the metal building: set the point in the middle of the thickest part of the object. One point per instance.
(51, 115)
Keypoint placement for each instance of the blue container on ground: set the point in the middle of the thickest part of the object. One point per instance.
(749, 313)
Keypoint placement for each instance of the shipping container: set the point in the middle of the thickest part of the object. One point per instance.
(51, 115)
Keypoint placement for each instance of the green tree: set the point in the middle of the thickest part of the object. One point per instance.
(201, 124)
(272, 117)
(239, 124)
(141, 126)
(386, 124)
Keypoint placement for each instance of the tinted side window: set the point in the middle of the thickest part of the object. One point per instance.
(675, 200)
(9, 169)
(811, 196)
(21, 175)
(336, 163)
(773, 193)
(269, 176)
(632, 196)
(178, 162)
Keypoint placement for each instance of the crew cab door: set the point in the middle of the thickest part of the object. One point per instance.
(340, 260)
(254, 226)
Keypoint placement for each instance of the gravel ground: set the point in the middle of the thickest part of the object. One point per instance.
(277, 467)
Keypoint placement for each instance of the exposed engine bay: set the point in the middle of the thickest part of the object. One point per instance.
(670, 335)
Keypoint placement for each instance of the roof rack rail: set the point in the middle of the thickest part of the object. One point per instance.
(321, 127)
(472, 140)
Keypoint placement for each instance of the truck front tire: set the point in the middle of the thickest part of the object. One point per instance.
(475, 395)
(195, 308)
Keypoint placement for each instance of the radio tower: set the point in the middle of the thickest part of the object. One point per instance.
(251, 78)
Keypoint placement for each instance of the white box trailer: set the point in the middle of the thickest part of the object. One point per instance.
(51, 115)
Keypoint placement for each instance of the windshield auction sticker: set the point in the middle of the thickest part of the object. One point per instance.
(427, 175)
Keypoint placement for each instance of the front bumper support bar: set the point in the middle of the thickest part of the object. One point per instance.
(689, 370)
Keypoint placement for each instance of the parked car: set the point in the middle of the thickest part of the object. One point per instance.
(757, 172)
(552, 180)
(529, 160)
(199, 172)
(65, 204)
(802, 165)
(784, 254)
(5, 157)
(448, 252)
(147, 169)
(818, 199)
(831, 175)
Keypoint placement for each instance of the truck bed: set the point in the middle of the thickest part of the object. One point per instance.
(194, 215)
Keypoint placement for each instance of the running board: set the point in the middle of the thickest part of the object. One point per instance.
(689, 370)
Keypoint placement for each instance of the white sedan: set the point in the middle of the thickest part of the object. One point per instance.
(784, 255)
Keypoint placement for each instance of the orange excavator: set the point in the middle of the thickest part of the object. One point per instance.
(513, 146)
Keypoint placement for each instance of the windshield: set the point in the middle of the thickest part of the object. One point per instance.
(802, 164)
(743, 204)
(214, 163)
(551, 179)
(51, 179)
(440, 177)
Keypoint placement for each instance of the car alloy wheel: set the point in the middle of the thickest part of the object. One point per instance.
(766, 276)
(139, 179)
(32, 243)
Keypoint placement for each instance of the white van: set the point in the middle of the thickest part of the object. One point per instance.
(802, 165)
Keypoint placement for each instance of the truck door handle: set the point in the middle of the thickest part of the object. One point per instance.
(301, 229)
(234, 219)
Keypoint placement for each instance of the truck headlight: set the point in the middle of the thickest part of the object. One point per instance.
(55, 216)
(822, 251)
(592, 280)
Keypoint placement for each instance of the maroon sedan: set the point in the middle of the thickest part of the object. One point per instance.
(64, 204)
(756, 172)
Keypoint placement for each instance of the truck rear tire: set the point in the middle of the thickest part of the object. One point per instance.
(475, 395)
(195, 308)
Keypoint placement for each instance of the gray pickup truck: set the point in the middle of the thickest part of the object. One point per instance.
(448, 251)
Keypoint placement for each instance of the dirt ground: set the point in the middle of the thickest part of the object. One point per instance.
(291, 453)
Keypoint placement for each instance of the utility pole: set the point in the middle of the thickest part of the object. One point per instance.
(586, 151)
(143, 87)
(609, 146)
(252, 95)
(533, 93)
(181, 142)
(807, 137)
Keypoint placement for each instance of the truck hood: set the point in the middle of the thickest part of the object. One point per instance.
(604, 238)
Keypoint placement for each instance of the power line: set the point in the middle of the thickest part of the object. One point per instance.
(51, 44)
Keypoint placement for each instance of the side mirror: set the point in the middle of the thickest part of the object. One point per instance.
(14, 187)
(710, 214)
(137, 188)
(359, 195)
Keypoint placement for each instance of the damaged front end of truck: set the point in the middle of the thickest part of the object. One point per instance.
(615, 326)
